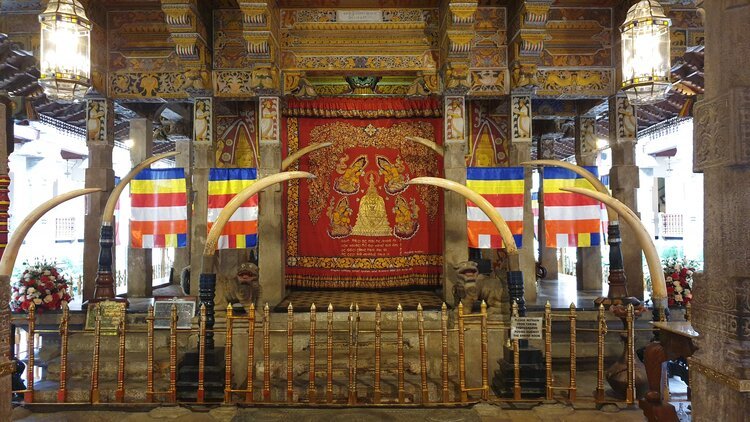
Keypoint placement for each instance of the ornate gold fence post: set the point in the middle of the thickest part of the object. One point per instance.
(516, 360)
(461, 355)
(351, 398)
(228, 355)
(485, 353)
(120, 393)
(630, 393)
(329, 355)
(378, 333)
(173, 355)
(311, 391)
(444, 340)
(28, 395)
(201, 394)
(355, 367)
(289, 353)
(250, 352)
(62, 392)
(94, 395)
(150, 355)
(548, 347)
(572, 385)
(601, 333)
(422, 357)
(400, 346)
(266, 353)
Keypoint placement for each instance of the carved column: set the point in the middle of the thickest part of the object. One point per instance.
(140, 277)
(203, 160)
(455, 238)
(547, 256)
(184, 160)
(526, 35)
(588, 260)
(520, 151)
(6, 365)
(624, 180)
(720, 369)
(271, 256)
(100, 135)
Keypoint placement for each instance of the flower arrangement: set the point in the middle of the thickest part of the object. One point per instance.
(678, 273)
(40, 284)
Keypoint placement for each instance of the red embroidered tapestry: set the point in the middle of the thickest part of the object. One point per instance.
(358, 224)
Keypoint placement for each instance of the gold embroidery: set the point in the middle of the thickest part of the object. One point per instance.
(372, 219)
(348, 183)
(406, 216)
(395, 182)
(340, 217)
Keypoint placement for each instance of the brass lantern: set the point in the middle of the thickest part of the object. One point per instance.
(645, 53)
(65, 46)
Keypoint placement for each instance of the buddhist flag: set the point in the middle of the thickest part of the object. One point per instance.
(503, 188)
(570, 219)
(241, 231)
(158, 214)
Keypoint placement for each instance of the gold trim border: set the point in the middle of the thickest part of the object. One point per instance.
(740, 385)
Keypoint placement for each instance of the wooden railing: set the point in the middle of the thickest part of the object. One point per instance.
(321, 334)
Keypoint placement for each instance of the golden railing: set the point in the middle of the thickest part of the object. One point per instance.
(452, 340)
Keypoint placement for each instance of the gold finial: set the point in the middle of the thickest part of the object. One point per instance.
(312, 307)
(419, 306)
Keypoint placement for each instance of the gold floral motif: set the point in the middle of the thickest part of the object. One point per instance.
(345, 135)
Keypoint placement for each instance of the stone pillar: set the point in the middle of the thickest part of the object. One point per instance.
(455, 238)
(271, 254)
(624, 180)
(184, 160)
(6, 365)
(720, 369)
(140, 271)
(547, 256)
(100, 135)
(520, 151)
(203, 160)
(588, 260)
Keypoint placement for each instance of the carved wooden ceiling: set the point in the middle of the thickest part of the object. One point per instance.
(294, 45)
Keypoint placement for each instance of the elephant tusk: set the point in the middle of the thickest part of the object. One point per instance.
(642, 236)
(228, 210)
(109, 208)
(439, 149)
(288, 161)
(598, 185)
(11, 250)
(479, 201)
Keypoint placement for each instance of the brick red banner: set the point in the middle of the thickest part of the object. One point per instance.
(358, 225)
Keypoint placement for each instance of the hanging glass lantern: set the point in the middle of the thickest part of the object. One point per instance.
(645, 53)
(65, 46)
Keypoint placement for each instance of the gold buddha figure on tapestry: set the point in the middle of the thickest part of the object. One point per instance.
(244, 155)
(484, 154)
(348, 183)
(340, 217)
(395, 180)
(372, 219)
(406, 218)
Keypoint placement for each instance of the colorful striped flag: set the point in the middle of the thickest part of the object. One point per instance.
(570, 219)
(158, 214)
(241, 231)
(503, 188)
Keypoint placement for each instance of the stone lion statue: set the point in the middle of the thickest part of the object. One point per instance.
(244, 289)
(472, 287)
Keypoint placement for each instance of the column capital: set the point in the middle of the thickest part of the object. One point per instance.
(623, 123)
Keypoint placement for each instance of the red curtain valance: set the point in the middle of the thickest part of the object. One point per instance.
(363, 108)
